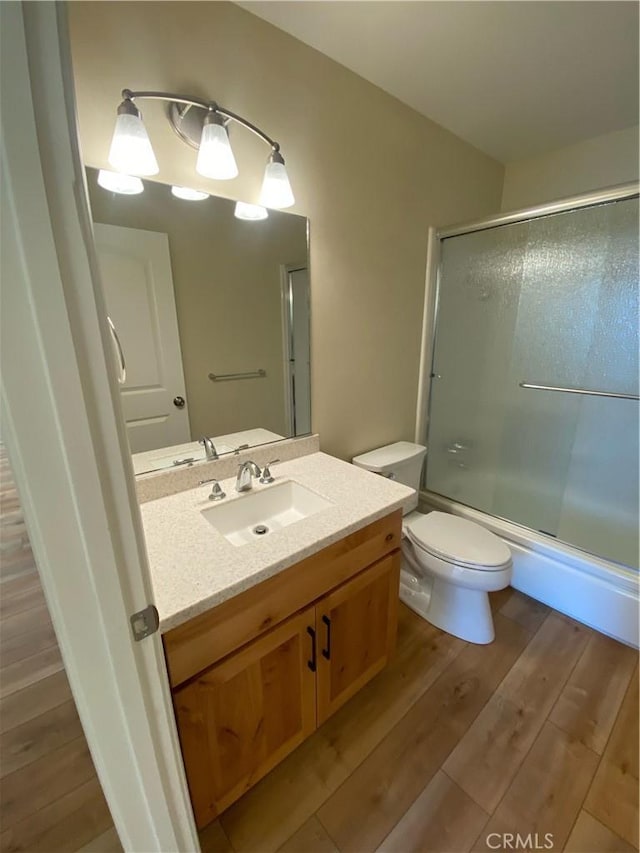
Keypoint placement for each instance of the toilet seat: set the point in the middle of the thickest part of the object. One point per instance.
(457, 541)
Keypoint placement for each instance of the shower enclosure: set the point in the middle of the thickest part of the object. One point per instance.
(533, 409)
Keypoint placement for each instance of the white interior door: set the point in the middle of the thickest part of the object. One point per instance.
(58, 391)
(135, 266)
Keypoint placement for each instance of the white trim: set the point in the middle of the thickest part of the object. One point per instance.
(597, 592)
(287, 332)
(591, 199)
(66, 440)
(285, 309)
(428, 332)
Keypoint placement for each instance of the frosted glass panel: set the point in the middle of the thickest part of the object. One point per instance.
(552, 301)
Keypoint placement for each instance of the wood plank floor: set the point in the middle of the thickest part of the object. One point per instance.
(50, 797)
(536, 733)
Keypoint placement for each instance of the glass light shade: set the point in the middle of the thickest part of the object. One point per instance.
(116, 182)
(131, 150)
(251, 212)
(188, 194)
(276, 190)
(215, 157)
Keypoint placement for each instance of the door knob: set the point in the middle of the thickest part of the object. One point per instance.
(178, 402)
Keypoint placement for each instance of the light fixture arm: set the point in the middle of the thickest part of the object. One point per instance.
(212, 106)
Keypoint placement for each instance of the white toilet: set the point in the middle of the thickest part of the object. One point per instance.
(449, 563)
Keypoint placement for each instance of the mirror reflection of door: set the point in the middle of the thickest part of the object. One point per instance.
(224, 280)
(297, 349)
(135, 267)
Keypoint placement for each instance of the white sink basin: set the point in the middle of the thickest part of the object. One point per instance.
(256, 514)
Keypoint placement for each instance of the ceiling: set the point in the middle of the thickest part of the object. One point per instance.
(514, 79)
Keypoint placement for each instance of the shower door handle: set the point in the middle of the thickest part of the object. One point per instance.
(586, 391)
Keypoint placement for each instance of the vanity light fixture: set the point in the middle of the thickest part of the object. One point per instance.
(202, 125)
(116, 182)
(187, 194)
(250, 212)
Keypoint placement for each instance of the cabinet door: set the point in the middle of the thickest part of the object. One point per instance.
(239, 718)
(356, 633)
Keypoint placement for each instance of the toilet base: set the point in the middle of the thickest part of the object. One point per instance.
(464, 613)
(415, 592)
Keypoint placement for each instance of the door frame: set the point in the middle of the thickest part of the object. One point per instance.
(66, 439)
(287, 337)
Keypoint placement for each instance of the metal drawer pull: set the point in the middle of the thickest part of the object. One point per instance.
(312, 663)
(326, 653)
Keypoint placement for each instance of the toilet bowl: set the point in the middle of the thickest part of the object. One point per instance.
(455, 563)
(450, 564)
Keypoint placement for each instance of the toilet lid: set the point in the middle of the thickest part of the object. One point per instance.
(458, 540)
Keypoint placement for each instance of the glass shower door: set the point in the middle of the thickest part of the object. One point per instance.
(550, 302)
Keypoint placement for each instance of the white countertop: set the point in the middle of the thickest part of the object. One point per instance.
(194, 567)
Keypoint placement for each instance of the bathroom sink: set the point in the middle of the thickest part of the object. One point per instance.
(254, 515)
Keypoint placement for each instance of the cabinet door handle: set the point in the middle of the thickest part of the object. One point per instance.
(312, 663)
(326, 653)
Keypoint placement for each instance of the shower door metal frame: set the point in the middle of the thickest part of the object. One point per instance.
(620, 192)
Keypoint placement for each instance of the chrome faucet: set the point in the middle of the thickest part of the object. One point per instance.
(243, 481)
(209, 448)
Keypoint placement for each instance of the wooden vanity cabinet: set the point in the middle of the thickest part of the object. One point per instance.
(241, 715)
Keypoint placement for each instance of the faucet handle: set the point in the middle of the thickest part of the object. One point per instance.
(266, 473)
(216, 489)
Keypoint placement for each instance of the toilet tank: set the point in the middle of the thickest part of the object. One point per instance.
(401, 461)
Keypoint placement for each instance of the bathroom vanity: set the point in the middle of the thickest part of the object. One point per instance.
(265, 639)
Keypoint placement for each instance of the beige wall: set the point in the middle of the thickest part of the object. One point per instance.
(590, 165)
(370, 173)
(227, 280)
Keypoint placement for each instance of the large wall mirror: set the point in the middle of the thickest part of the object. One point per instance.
(212, 315)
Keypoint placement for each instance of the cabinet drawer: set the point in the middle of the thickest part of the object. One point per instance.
(196, 645)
